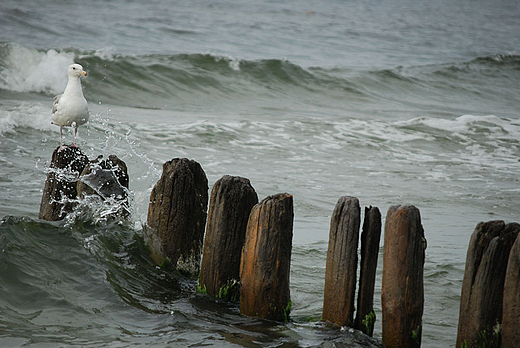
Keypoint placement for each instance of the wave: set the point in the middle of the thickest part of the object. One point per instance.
(113, 78)
(505, 60)
(470, 125)
(24, 69)
(102, 257)
(158, 80)
(36, 116)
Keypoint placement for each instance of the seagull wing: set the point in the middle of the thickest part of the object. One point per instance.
(55, 103)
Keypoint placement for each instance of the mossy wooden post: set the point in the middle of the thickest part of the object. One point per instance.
(266, 258)
(402, 294)
(60, 186)
(370, 237)
(511, 301)
(483, 283)
(177, 215)
(340, 273)
(232, 198)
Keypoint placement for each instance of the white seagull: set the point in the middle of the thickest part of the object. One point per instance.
(70, 108)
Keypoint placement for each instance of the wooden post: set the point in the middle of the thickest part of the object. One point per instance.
(60, 186)
(340, 273)
(370, 237)
(266, 258)
(511, 301)
(402, 294)
(232, 198)
(177, 215)
(483, 283)
(104, 178)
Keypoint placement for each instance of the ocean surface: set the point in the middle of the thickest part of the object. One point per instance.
(393, 102)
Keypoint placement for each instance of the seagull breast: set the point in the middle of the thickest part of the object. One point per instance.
(71, 107)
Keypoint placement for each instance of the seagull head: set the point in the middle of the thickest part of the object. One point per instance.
(76, 70)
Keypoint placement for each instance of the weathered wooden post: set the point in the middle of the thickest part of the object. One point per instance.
(402, 294)
(266, 258)
(232, 198)
(511, 302)
(370, 237)
(483, 283)
(177, 215)
(60, 186)
(340, 273)
(104, 178)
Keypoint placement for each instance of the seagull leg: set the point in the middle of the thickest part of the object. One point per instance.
(75, 133)
(61, 138)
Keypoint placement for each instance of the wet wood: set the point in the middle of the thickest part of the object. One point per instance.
(511, 301)
(370, 238)
(483, 283)
(266, 258)
(232, 199)
(60, 186)
(340, 273)
(402, 294)
(177, 215)
(105, 178)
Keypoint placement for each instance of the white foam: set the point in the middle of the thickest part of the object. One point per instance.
(105, 53)
(7, 123)
(234, 64)
(482, 141)
(382, 131)
(30, 70)
(470, 125)
(26, 114)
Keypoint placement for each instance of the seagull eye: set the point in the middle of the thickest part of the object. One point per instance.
(73, 68)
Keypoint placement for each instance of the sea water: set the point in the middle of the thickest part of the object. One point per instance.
(393, 102)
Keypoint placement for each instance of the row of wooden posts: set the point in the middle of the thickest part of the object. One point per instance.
(246, 251)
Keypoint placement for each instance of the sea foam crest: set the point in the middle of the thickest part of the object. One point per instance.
(27, 115)
(481, 140)
(26, 69)
(491, 125)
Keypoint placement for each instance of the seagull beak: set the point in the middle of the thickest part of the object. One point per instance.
(84, 73)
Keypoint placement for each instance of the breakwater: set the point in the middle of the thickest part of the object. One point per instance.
(177, 220)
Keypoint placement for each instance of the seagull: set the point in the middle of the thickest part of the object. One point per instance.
(70, 108)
